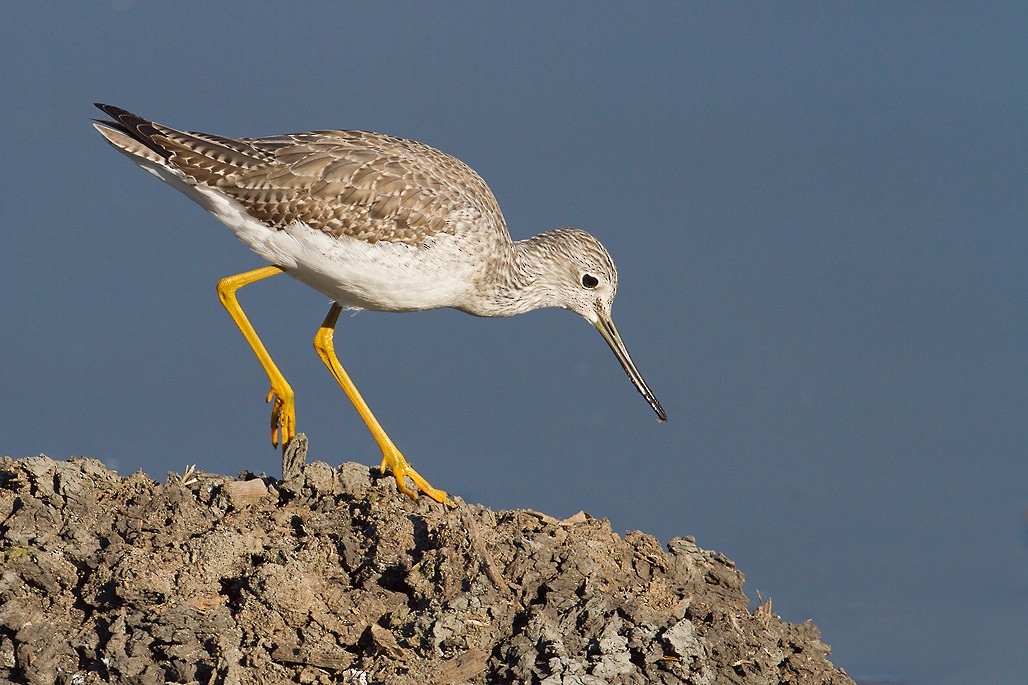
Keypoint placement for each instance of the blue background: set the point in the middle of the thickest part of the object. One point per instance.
(818, 211)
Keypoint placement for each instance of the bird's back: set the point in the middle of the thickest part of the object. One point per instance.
(363, 185)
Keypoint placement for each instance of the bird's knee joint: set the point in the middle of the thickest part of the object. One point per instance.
(225, 293)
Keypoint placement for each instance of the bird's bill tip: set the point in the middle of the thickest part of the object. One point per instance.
(605, 325)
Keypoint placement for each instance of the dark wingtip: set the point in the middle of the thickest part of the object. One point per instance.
(122, 116)
(140, 129)
(110, 110)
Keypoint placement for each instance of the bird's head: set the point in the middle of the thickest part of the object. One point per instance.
(582, 278)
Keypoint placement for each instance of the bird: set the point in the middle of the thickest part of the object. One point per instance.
(373, 222)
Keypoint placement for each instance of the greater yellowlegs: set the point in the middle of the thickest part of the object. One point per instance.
(373, 222)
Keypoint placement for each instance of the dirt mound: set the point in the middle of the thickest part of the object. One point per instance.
(333, 577)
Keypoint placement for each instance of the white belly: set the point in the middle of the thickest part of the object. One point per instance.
(383, 276)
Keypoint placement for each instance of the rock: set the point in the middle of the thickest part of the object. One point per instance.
(242, 493)
(294, 456)
(321, 477)
(681, 640)
(332, 576)
(384, 642)
(462, 668)
(353, 478)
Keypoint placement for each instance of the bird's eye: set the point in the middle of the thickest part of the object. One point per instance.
(589, 281)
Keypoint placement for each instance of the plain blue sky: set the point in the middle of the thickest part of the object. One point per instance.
(818, 211)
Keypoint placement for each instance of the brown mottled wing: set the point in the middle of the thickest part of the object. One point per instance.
(354, 183)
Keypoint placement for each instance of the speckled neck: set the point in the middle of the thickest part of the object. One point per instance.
(521, 281)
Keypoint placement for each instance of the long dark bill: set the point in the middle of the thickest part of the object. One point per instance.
(607, 329)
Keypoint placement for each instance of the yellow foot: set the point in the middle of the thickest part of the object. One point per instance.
(283, 416)
(402, 470)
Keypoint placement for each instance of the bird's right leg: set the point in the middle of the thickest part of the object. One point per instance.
(283, 412)
(391, 457)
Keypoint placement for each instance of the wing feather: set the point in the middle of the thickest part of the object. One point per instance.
(345, 183)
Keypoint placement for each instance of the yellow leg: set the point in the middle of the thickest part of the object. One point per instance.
(391, 456)
(283, 412)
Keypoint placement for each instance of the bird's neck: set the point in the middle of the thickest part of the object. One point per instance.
(520, 282)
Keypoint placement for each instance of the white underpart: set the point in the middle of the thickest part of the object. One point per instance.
(358, 275)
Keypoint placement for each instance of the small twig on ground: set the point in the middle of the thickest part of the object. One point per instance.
(489, 566)
(189, 477)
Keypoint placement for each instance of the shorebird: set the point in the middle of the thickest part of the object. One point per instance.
(372, 222)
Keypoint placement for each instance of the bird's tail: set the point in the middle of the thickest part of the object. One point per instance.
(132, 134)
(193, 157)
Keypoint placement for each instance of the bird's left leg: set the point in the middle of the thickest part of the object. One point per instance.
(283, 412)
(391, 456)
